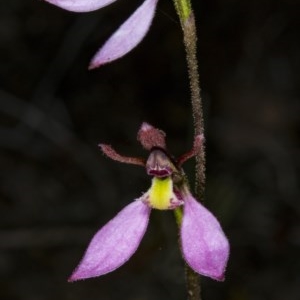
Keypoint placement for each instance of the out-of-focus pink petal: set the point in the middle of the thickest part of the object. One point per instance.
(115, 242)
(129, 34)
(204, 244)
(81, 5)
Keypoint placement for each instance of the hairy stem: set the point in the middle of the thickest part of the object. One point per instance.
(190, 40)
(187, 21)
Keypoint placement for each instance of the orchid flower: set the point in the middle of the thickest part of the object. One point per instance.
(127, 36)
(204, 245)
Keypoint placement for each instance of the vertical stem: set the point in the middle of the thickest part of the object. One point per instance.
(190, 42)
(187, 21)
(192, 284)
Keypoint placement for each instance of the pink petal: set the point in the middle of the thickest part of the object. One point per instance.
(127, 36)
(115, 242)
(81, 5)
(204, 244)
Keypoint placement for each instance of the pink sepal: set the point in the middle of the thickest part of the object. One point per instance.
(115, 242)
(80, 5)
(128, 36)
(204, 244)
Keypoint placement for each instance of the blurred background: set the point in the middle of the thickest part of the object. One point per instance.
(57, 189)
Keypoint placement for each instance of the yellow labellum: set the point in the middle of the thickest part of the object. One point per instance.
(161, 193)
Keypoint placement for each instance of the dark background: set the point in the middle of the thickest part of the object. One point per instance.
(57, 189)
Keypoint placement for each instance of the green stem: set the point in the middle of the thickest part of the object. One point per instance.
(187, 21)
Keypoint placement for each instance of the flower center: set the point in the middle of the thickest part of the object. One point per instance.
(161, 195)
